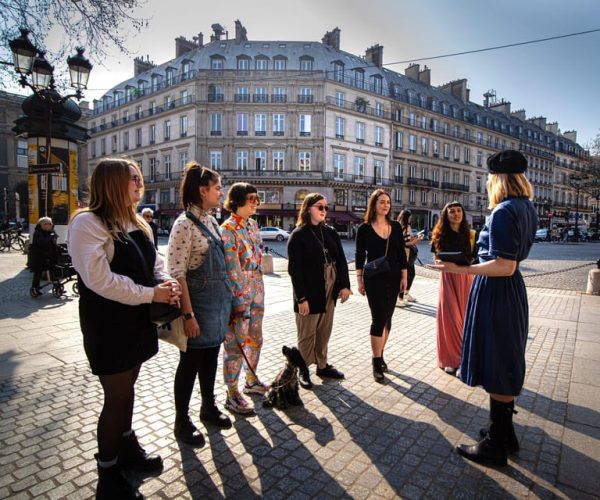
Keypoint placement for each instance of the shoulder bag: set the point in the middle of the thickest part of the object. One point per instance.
(161, 313)
(378, 266)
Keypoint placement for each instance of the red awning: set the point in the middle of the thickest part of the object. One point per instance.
(343, 217)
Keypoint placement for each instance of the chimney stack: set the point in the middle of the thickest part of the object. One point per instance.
(520, 114)
(139, 65)
(240, 32)
(183, 45)
(332, 38)
(552, 128)
(458, 88)
(540, 121)
(374, 55)
(571, 135)
(218, 32)
(502, 107)
(413, 71)
(425, 76)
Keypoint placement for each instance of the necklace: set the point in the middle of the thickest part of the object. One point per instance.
(321, 240)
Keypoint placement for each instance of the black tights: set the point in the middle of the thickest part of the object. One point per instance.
(411, 278)
(201, 362)
(117, 412)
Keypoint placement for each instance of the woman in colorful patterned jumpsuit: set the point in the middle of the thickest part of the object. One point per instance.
(243, 257)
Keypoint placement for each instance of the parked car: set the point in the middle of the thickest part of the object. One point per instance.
(542, 235)
(273, 233)
(583, 235)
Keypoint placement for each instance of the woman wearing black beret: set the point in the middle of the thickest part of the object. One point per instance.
(497, 318)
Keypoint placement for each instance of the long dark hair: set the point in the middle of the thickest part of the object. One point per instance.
(309, 200)
(404, 218)
(443, 233)
(371, 213)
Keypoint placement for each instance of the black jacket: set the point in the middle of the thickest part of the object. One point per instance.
(43, 251)
(306, 265)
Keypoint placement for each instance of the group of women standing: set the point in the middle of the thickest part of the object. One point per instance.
(215, 277)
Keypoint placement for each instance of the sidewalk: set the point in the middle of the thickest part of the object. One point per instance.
(354, 439)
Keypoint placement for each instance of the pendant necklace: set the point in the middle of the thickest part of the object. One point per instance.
(321, 240)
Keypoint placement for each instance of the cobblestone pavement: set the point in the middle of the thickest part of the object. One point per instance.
(352, 439)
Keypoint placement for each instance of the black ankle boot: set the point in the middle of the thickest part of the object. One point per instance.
(384, 365)
(492, 447)
(187, 432)
(132, 456)
(511, 442)
(378, 369)
(305, 380)
(112, 484)
(212, 415)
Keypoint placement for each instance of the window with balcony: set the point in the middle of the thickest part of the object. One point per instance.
(340, 125)
(138, 137)
(167, 166)
(479, 158)
(242, 162)
(261, 64)
(242, 94)
(279, 63)
(359, 168)
(152, 134)
(242, 124)
(243, 63)
(216, 121)
(467, 155)
(456, 153)
(423, 122)
(184, 97)
(170, 76)
(379, 136)
(260, 95)
(305, 96)
(183, 125)
(305, 125)
(466, 181)
(398, 172)
(126, 140)
(377, 83)
(411, 196)
(216, 160)
(359, 78)
(279, 95)
(360, 132)
(260, 160)
(340, 98)
(278, 124)
(378, 109)
(153, 169)
(412, 143)
(339, 166)
(378, 171)
(306, 63)
(278, 161)
(217, 62)
(424, 146)
(338, 71)
(304, 161)
(436, 148)
(398, 195)
(183, 159)
(446, 151)
(412, 119)
(423, 197)
(399, 141)
(167, 129)
(260, 124)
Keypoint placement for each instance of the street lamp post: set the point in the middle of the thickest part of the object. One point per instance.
(575, 181)
(30, 63)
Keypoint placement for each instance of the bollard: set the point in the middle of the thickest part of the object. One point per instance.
(593, 284)
(267, 264)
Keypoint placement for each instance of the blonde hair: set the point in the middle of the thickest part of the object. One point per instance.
(501, 186)
(109, 197)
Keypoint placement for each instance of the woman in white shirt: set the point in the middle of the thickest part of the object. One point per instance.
(197, 261)
(115, 294)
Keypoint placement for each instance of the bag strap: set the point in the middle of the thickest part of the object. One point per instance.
(149, 277)
(387, 243)
(203, 228)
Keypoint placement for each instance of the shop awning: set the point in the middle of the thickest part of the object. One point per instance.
(168, 212)
(343, 217)
(276, 212)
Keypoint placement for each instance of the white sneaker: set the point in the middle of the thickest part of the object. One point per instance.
(238, 404)
(257, 387)
(401, 303)
(409, 298)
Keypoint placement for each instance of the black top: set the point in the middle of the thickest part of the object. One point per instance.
(308, 249)
(371, 246)
(154, 228)
(43, 251)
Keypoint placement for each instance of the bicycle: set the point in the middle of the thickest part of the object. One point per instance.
(12, 239)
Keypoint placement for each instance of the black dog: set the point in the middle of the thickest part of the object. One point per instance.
(284, 389)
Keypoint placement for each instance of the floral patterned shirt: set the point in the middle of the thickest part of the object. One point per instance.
(242, 252)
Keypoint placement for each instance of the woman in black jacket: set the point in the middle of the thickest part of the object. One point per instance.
(319, 272)
(43, 252)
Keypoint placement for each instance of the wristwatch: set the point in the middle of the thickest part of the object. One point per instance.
(189, 315)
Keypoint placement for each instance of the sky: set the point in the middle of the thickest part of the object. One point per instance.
(558, 79)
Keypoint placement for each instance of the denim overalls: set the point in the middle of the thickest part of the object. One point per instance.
(210, 292)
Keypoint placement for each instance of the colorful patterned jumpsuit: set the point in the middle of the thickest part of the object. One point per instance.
(243, 257)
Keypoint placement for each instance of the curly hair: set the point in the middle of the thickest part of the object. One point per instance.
(442, 232)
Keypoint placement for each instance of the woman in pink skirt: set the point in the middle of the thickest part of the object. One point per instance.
(452, 234)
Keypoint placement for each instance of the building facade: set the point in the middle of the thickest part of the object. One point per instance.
(296, 117)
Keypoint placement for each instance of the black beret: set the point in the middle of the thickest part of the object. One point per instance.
(508, 161)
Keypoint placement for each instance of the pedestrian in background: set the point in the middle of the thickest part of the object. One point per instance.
(452, 234)
(319, 272)
(112, 251)
(497, 320)
(197, 261)
(380, 236)
(410, 244)
(243, 258)
(42, 253)
(148, 216)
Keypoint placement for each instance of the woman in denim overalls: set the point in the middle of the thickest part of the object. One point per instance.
(197, 260)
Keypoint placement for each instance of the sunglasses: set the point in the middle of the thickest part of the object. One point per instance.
(148, 217)
(253, 198)
(321, 208)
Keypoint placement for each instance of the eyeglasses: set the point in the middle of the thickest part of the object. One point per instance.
(148, 217)
(321, 208)
(137, 179)
(253, 198)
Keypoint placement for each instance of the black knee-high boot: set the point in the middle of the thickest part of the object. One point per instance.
(512, 442)
(492, 447)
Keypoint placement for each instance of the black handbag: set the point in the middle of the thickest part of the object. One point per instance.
(378, 266)
(161, 313)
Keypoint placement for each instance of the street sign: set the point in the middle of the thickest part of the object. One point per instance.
(45, 168)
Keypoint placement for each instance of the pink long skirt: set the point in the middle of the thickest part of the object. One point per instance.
(452, 306)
